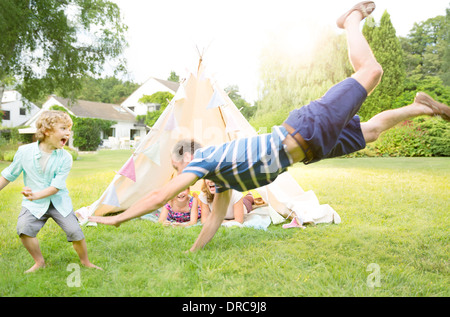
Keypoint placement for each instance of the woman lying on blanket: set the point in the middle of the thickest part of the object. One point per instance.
(238, 207)
(183, 210)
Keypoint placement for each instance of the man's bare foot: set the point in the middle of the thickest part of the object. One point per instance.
(364, 7)
(437, 108)
(111, 221)
(35, 267)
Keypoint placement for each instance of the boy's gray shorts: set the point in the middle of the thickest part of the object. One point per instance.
(29, 225)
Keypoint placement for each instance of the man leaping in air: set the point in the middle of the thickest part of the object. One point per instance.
(325, 128)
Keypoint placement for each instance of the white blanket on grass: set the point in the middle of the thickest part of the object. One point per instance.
(257, 219)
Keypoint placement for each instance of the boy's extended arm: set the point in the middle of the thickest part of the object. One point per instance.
(220, 206)
(3, 182)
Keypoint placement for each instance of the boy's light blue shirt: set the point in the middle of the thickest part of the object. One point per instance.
(58, 167)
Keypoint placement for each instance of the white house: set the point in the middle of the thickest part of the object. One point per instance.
(16, 109)
(125, 132)
(151, 86)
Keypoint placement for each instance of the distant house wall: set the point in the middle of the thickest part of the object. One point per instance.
(16, 109)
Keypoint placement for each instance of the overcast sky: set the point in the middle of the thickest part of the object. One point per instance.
(164, 35)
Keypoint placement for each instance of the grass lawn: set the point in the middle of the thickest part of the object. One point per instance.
(394, 231)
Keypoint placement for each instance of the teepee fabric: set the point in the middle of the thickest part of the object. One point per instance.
(203, 111)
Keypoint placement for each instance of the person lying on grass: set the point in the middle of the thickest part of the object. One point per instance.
(325, 128)
(45, 166)
(182, 210)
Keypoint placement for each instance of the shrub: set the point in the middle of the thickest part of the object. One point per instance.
(72, 152)
(422, 136)
(87, 132)
(9, 156)
(404, 140)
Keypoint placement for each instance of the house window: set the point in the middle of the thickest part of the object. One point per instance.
(153, 107)
(111, 132)
(6, 115)
(134, 133)
(23, 111)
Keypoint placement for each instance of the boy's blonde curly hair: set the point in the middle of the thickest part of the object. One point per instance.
(48, 120)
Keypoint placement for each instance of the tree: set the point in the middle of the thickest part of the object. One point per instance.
(50, 45)
(244, 107)
(388, 52)
(427, 48)
(87, 132)
(291, 79)
(174, 77)
(160, 97)
(446, 60)
(108, 90)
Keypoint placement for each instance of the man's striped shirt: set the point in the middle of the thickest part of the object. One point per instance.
(243, 164)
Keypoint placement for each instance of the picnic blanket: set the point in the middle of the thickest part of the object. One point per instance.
(257, 219)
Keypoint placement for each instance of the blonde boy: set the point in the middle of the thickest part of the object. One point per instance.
(45, 166)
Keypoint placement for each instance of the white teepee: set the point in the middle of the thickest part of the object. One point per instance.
(201, 110)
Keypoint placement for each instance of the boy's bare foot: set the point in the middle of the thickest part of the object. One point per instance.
(35, 267)
(91, 265)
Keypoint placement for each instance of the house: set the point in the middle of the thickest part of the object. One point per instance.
(151, 86)
(16, 109)
(127, 131)
(123, 134)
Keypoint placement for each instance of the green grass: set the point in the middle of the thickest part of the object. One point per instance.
(395, 213)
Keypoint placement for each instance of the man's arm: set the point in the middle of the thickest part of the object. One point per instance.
(212, 224)
(152, 201)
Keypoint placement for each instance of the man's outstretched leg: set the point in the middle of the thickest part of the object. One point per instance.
(422, 105)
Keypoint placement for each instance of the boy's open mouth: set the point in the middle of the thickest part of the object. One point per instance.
(64, 141)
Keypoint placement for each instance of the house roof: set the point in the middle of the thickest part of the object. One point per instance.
(99, 110)
(149, 88)
(169, 84)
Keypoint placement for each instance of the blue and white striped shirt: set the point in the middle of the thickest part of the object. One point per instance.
(243, 164)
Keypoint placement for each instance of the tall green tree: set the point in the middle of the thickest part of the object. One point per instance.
(108, 90)
(427, 60)
(244, 107)
(50, 45)
(427, 48)
(290, 80)
(446, 60)
(388, 52)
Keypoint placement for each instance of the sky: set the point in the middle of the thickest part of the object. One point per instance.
(167, 35)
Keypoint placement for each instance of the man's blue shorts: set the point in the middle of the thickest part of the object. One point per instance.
(330, 125)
